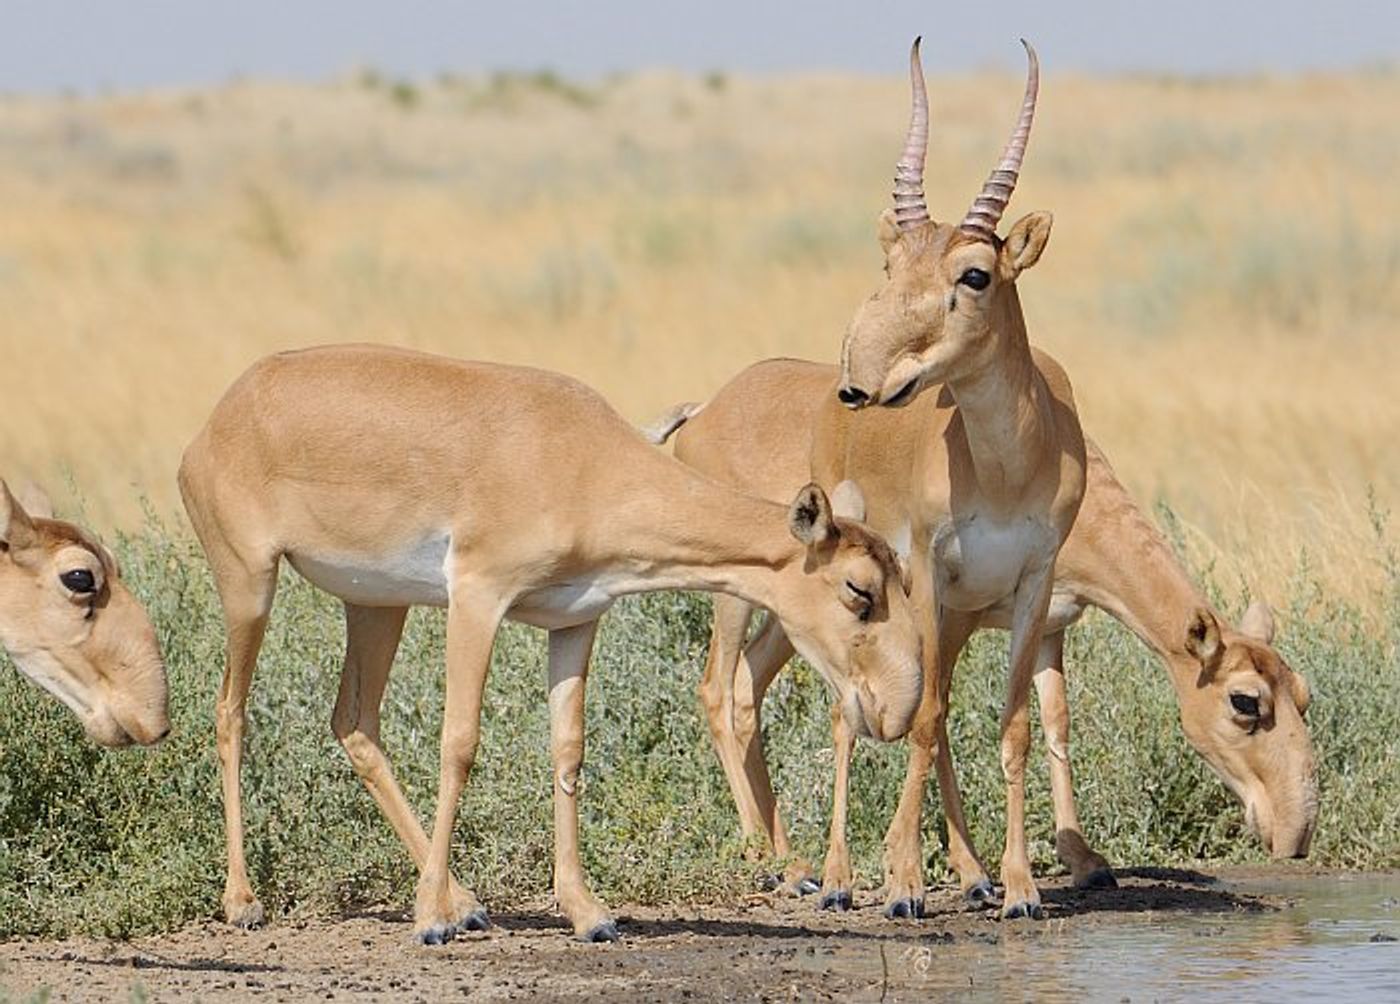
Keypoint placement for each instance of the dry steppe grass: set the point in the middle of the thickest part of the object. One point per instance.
(1221, 283)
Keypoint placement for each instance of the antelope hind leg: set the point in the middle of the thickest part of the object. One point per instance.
(1088, 869)
(569, 650)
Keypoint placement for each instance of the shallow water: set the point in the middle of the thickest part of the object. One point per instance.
(1329, 940)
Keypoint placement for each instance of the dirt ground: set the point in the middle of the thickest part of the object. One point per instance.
(770, 948)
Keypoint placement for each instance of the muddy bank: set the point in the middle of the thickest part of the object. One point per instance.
(768, 948)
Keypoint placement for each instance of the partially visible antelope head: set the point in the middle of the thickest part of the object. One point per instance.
(72, 627)
(1242, 708)
(951, 289)
(870, 652)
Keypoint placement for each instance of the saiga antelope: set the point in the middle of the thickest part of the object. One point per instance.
(1241, 705)
(987, 504)
(71, 626)
(391, 478)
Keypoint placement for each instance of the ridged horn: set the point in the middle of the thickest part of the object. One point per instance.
(982, 219)
(909, 208)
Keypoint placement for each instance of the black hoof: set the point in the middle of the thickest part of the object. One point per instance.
(1023, 909)
(981, 894)
(606, 931)
(808, 886)
(1099, 878)
(905, 909)
(250, 918)
(770, 883)
(438, 934)
(838, 901)
(477, 920)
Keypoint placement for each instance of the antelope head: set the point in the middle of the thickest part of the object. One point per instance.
(1242, 708)
(72, 627)
(853, 620)
(949, 298)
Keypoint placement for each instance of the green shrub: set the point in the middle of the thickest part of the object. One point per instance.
(132, 841)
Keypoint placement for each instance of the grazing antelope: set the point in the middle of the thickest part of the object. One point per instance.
(71, 626)
(1241, 705)
(391, 478)
(986, 504)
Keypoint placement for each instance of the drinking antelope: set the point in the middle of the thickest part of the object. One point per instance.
(1241, 705)
(391, 478)
(72, 627)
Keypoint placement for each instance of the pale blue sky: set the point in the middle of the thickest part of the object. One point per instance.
(48, 45)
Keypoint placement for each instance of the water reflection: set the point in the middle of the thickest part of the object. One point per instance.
(1321, 943)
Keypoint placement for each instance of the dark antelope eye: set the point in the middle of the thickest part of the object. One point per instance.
(1245, 704)
(975, 278)
(866, 598)
(80, 580)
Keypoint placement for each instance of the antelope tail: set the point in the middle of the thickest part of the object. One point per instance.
(660, 429)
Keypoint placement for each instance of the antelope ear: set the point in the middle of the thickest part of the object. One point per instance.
(810, 518)
(1302, 693)
(848, 501)
(35, 500)
(16, 528)
(1203, 639)
(906, 574)
(1024, 243)
(888, 231)
(1258, 623)
(902, 544)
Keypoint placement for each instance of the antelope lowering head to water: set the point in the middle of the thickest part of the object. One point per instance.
(391, 478)
(71, 626)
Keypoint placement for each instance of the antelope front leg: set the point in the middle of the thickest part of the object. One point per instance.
(247, 600)
(836, 876)
(955, 628)
(1089, 869)
(569, 650)
(371, 637)
(1022, 899)
(470, 635)
(904, 866)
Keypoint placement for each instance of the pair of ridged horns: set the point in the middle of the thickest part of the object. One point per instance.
(981, 220)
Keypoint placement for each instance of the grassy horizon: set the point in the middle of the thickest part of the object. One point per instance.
(1221, 283)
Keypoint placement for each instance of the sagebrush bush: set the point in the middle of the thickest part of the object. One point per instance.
(132, 841)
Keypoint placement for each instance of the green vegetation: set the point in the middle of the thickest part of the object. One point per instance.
(404, 94)
(132, 841)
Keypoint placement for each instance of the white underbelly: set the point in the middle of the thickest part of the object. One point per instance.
(565, 605)
(416, 575)
(978, 563)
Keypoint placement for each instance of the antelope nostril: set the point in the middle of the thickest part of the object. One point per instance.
(852, 397)
(165, 732)
(902, 395)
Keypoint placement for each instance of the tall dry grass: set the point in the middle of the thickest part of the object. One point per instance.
(1221, 283)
